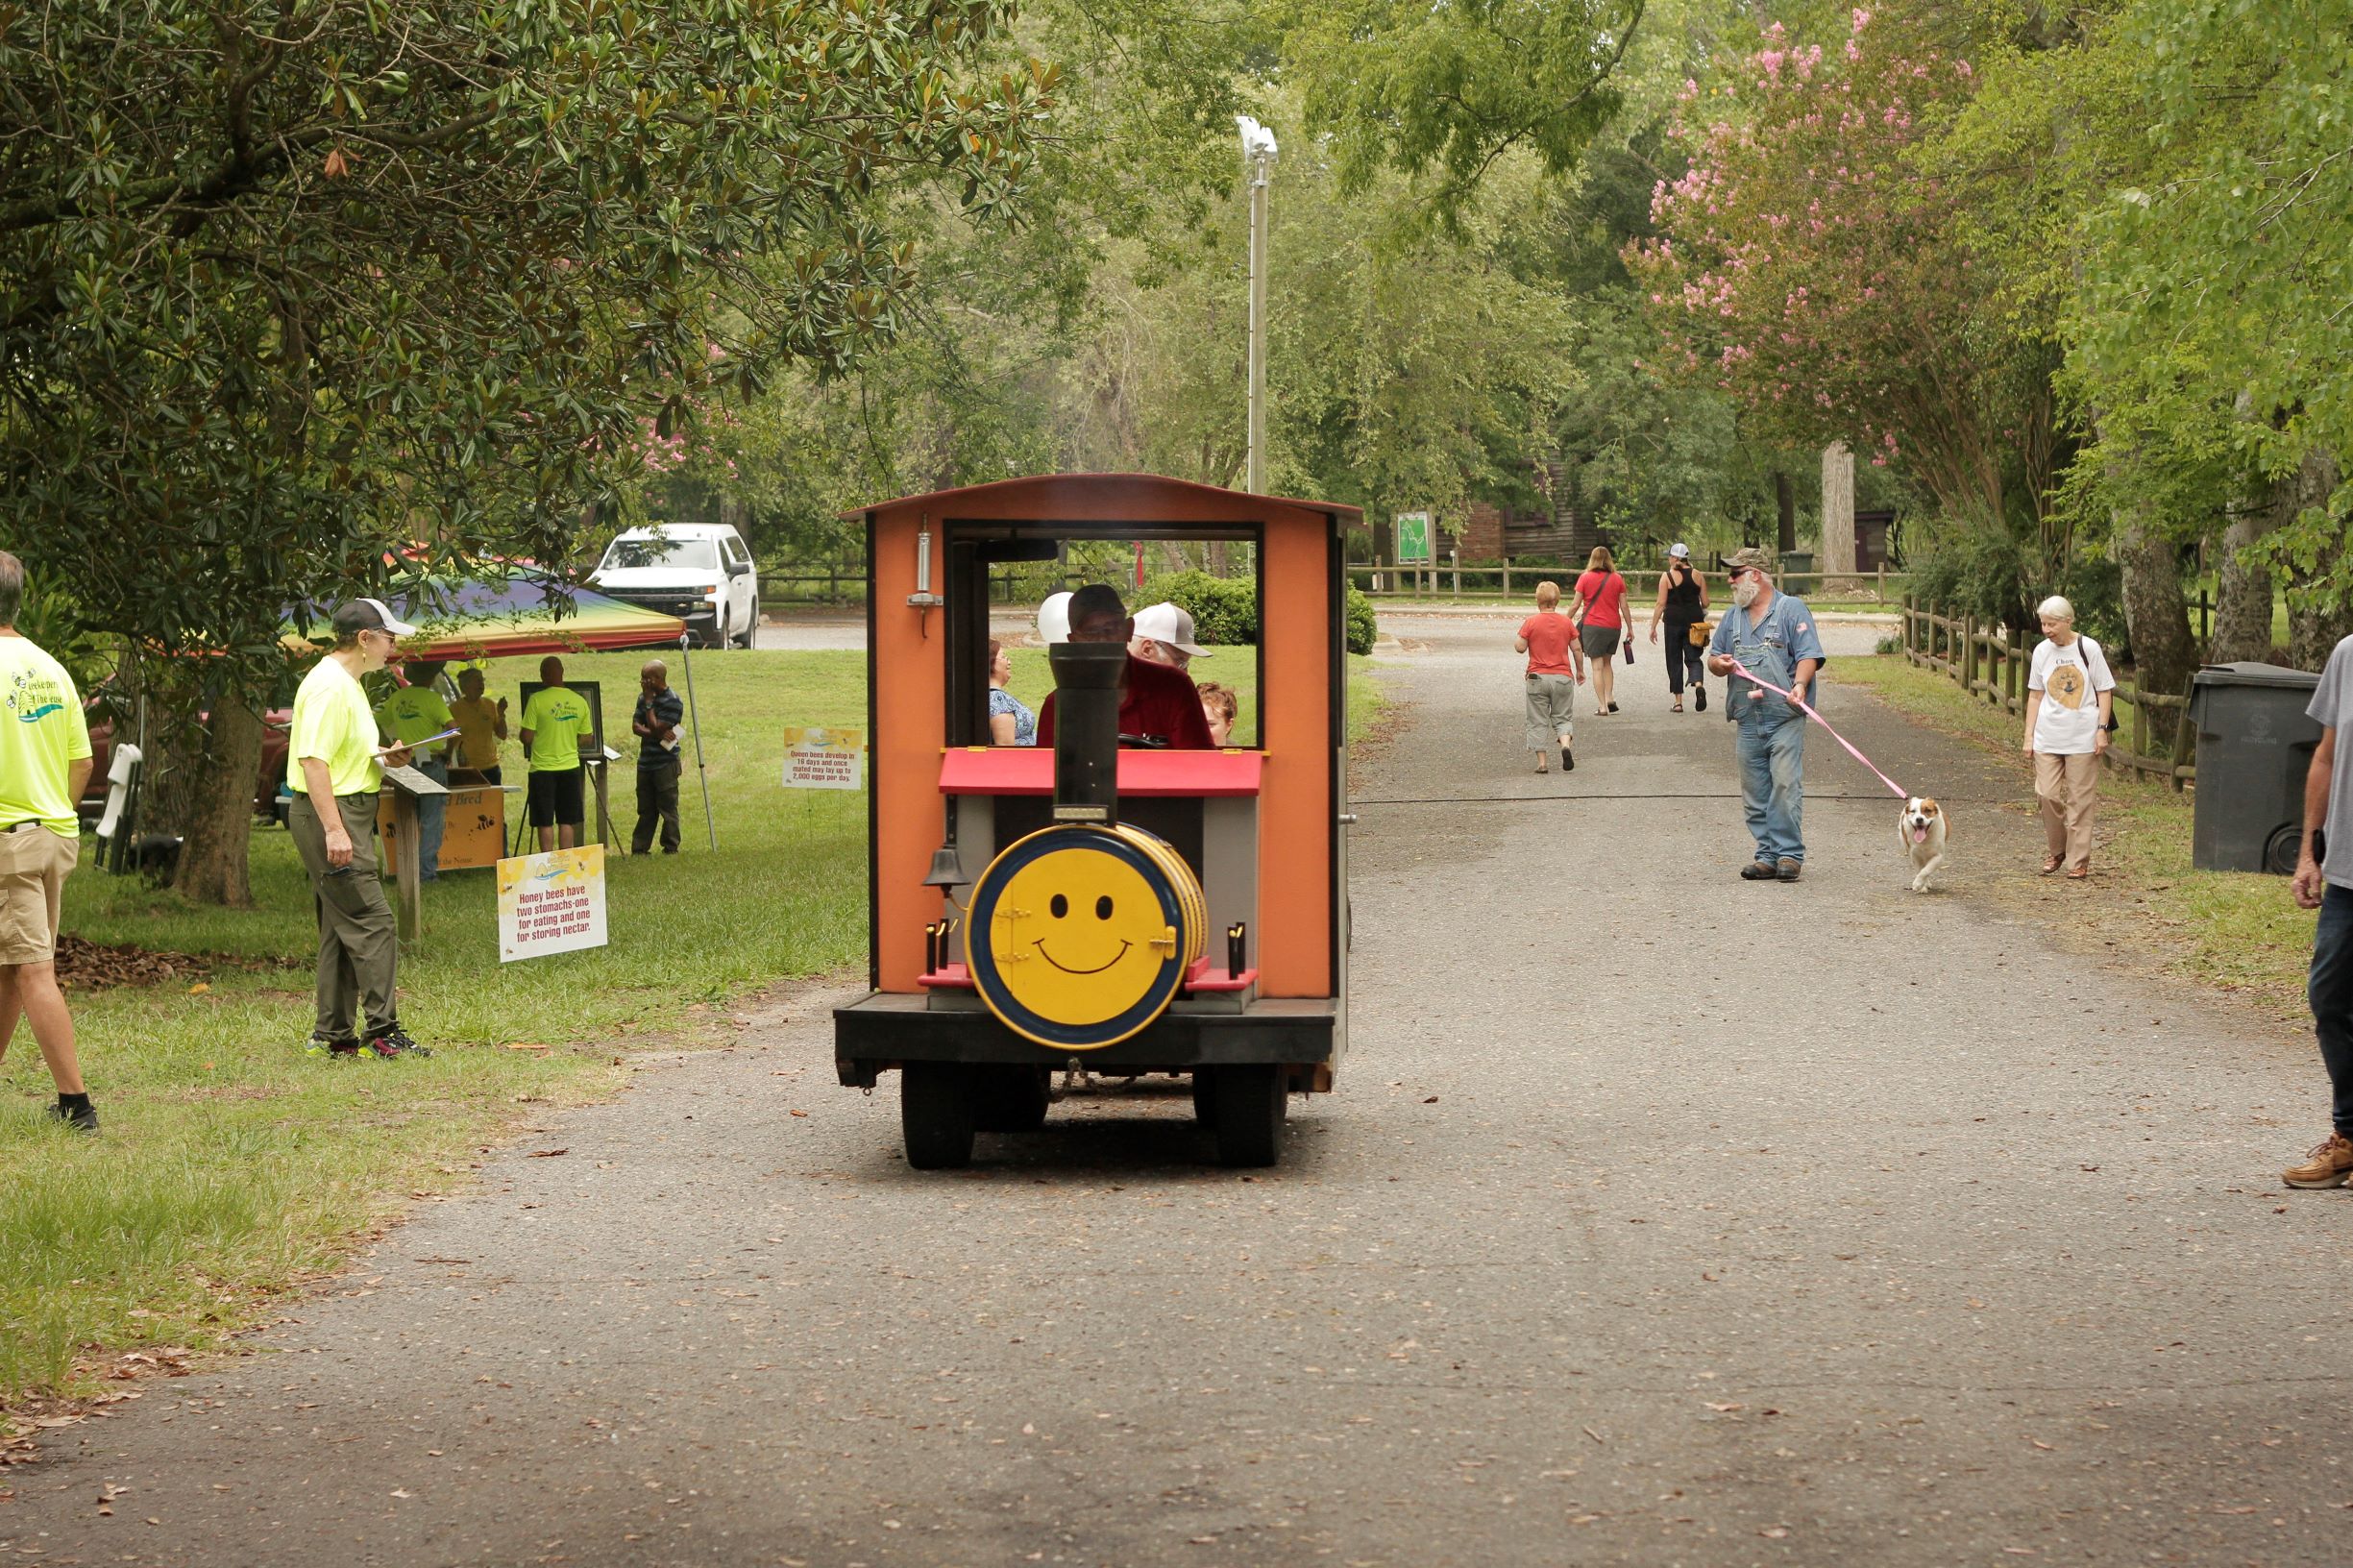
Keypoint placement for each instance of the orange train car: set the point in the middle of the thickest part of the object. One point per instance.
(1105, 902)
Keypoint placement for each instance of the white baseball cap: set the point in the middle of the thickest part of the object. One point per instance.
(1680, 550)
(1054, 619)
(1166, 623)
(370, 615)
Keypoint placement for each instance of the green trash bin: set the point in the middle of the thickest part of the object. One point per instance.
(2254, 747)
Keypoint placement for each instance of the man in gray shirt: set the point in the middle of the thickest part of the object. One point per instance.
(2324, 881)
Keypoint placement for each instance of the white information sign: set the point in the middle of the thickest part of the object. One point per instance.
(552, 904)
(824, 759)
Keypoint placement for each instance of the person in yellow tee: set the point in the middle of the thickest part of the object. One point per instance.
(409, 716)
(481, 725)
(555, 721)
(44, 763)
(334, 768)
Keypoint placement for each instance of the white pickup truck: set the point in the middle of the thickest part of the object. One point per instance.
(699, 571)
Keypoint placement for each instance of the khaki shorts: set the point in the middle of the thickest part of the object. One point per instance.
(34, 863)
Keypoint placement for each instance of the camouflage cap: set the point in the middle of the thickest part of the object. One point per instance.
(1752, 556)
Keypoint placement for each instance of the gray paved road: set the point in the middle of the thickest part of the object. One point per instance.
(1661, 1218)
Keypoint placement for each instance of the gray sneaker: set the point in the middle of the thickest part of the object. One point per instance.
(1788, 870)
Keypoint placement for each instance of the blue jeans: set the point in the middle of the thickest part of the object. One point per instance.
(432, 811)
(2329, 991)
(1773, 786)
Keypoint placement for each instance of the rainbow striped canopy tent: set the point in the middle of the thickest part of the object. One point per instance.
(518, 612)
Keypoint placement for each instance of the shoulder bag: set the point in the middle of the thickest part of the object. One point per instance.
(2086, 648)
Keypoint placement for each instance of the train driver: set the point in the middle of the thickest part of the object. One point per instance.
(1159, 700)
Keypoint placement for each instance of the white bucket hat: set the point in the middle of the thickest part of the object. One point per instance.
(1054, 619)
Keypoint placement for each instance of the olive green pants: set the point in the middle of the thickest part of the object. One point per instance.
(358, 942)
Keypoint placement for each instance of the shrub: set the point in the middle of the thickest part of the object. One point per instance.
(1362, 625)
(1972, 569)
(1225, 610)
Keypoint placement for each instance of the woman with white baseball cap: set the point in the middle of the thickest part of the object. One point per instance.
(334, 764)
(1682, 605)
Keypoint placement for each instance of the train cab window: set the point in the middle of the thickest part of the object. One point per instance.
(999, 675)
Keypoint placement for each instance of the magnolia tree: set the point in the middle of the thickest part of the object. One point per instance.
(1806, 269)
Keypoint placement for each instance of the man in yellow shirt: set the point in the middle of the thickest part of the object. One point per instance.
(334, 768)
(44, 762)
(555, 721)
(481, 727)
(409, 716)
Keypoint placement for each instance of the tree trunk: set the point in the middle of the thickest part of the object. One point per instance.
(2314, 629)
(2243, 588)
(219, 825)
(2156, 615)
(1785, 498)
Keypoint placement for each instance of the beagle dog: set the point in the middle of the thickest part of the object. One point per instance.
(1922, 832)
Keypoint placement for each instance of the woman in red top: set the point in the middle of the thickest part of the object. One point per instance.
(1601, 621)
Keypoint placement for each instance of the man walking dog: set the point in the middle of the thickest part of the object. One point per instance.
(1771, 635)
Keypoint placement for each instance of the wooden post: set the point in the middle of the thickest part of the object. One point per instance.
(1969, 650)
(1456, 555)
(408, 899)
(604, 816)
(1506, 578)
(2181, 740)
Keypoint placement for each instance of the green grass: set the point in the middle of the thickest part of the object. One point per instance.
(232, 1167)
(2237, 931)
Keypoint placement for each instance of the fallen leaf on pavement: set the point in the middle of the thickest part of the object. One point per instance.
(548, 1154)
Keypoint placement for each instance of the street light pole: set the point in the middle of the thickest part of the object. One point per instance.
(1259, 162)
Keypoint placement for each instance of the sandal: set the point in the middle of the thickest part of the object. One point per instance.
(1678, 708)
(2051, 863)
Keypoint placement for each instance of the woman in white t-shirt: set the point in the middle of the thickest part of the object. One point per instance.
(2069, 693)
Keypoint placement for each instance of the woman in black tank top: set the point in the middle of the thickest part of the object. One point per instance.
(1683, 604)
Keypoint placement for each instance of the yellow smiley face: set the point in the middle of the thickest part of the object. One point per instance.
(1078, 937)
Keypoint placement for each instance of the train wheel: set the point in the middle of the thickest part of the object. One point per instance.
(1010, 1099)
(1203, 1112)
(1246, 1108)
(935, 1115)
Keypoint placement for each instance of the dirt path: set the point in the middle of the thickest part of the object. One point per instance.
(1661, 1218)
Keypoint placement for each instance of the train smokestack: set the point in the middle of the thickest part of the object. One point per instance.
(1088, 679)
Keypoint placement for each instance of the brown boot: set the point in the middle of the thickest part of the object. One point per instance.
(2330, 1165)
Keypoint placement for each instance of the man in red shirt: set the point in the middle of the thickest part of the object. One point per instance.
(1156, 699)
(1554, 671)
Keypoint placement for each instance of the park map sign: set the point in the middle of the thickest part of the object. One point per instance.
(1413, 538)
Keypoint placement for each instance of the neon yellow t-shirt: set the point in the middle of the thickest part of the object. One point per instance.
(43, 732)
(412, 713)
(333, 722)
(559, 719)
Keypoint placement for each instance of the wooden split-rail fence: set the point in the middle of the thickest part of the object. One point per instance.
(1984, 660)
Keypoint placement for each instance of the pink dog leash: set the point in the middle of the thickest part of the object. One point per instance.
(1742, 670)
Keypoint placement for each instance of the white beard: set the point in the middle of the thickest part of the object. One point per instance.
(1744, 591)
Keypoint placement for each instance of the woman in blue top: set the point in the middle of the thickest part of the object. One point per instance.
(1010, 724)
